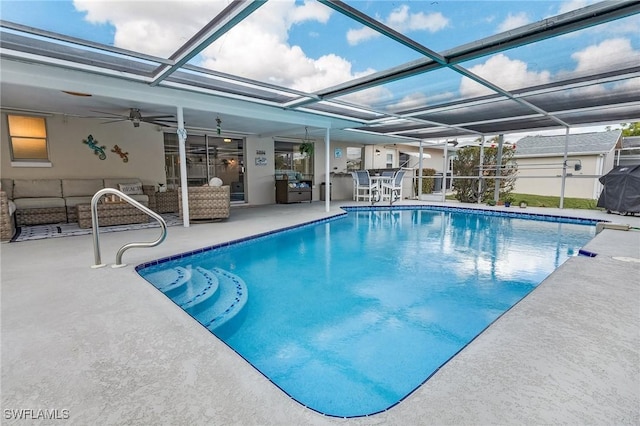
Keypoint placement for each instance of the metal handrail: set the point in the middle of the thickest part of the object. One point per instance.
(95, 227)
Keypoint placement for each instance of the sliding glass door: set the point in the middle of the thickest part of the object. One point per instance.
(207, 157)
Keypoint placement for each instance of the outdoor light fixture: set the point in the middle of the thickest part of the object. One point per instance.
(226, 140)
(576, 167)
(377, 152)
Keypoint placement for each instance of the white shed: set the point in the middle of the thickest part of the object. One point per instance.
(540, 161)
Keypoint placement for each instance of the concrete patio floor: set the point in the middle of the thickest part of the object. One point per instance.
(107, 347)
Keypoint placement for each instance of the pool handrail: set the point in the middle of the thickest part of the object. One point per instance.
(96, 227)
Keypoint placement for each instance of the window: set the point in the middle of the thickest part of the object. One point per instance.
(289, 159)
(354, 159)
(389, 164)
(28, 140)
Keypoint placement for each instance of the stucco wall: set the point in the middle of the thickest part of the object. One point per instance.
(261, 187)
(70, 158)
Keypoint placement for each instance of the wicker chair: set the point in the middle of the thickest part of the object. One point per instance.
(207, 202)
(7, 223)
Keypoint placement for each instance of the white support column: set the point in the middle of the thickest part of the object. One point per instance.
(327, 185)
(496, 187)
(481, 171)
(564, 167)
(182, 137)
(444, 171)
(420, 152)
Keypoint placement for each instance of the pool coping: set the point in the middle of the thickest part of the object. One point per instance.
(112, 349)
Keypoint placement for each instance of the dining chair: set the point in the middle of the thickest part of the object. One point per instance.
(364, 186)
(393, 187)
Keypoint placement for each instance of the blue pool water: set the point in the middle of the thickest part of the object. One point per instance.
(349, 316)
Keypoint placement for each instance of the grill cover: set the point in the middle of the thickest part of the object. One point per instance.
(621, 191)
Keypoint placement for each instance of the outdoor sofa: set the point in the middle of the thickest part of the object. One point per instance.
(42, 201)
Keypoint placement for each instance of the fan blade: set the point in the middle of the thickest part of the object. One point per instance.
(158, 123)
(156, 117)
(114, 121)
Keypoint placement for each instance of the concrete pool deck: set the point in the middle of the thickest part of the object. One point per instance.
(108, 348)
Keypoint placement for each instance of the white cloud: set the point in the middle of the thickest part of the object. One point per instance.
(359, 35)
(401, 20)
(150, 27)
(606, 55)
(374, 97)
(258, 48)
(513, 21)
(310, 11)
(505, 72)
(572, 5)
(411, 101)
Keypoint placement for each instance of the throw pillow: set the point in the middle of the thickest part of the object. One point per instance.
(131, 188)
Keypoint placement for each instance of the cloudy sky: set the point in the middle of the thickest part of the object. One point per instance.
(307, 46)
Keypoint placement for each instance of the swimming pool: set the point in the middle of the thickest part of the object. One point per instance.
(349, 316)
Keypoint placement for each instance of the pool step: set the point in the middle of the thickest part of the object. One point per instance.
(231, 299)
(170, 281)
(211, 296)
(199, 290)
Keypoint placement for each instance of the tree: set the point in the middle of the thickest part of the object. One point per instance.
(631, 129)
(467, 164)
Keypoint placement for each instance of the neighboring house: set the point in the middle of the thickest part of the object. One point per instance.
(540, 160)
(629, 154)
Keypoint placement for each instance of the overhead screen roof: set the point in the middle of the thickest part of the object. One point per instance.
(402, 75)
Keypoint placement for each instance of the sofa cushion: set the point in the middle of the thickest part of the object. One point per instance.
(74, 201)
(6, 185)
(38, 202)
(32, 188)
(81, 187)
(141, 198)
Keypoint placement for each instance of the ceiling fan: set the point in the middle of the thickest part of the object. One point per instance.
(136, 117)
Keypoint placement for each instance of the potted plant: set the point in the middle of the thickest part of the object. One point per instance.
(306, 148)
(508, 200)
(523, 204)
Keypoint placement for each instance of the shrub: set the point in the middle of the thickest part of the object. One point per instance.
(428, 182)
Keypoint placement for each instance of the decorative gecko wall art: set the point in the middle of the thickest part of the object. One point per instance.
(123, 155)
(97, 150)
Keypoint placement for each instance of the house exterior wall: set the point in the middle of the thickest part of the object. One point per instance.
(261, 185)
(71, 158)
(580, 184)
(341, 180)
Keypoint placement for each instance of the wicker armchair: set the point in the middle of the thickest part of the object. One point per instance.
(7, 224)
(207, 202)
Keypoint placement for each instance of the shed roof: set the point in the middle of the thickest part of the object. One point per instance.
(591, 143)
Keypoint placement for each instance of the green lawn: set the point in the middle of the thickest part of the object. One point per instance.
(549, 201)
